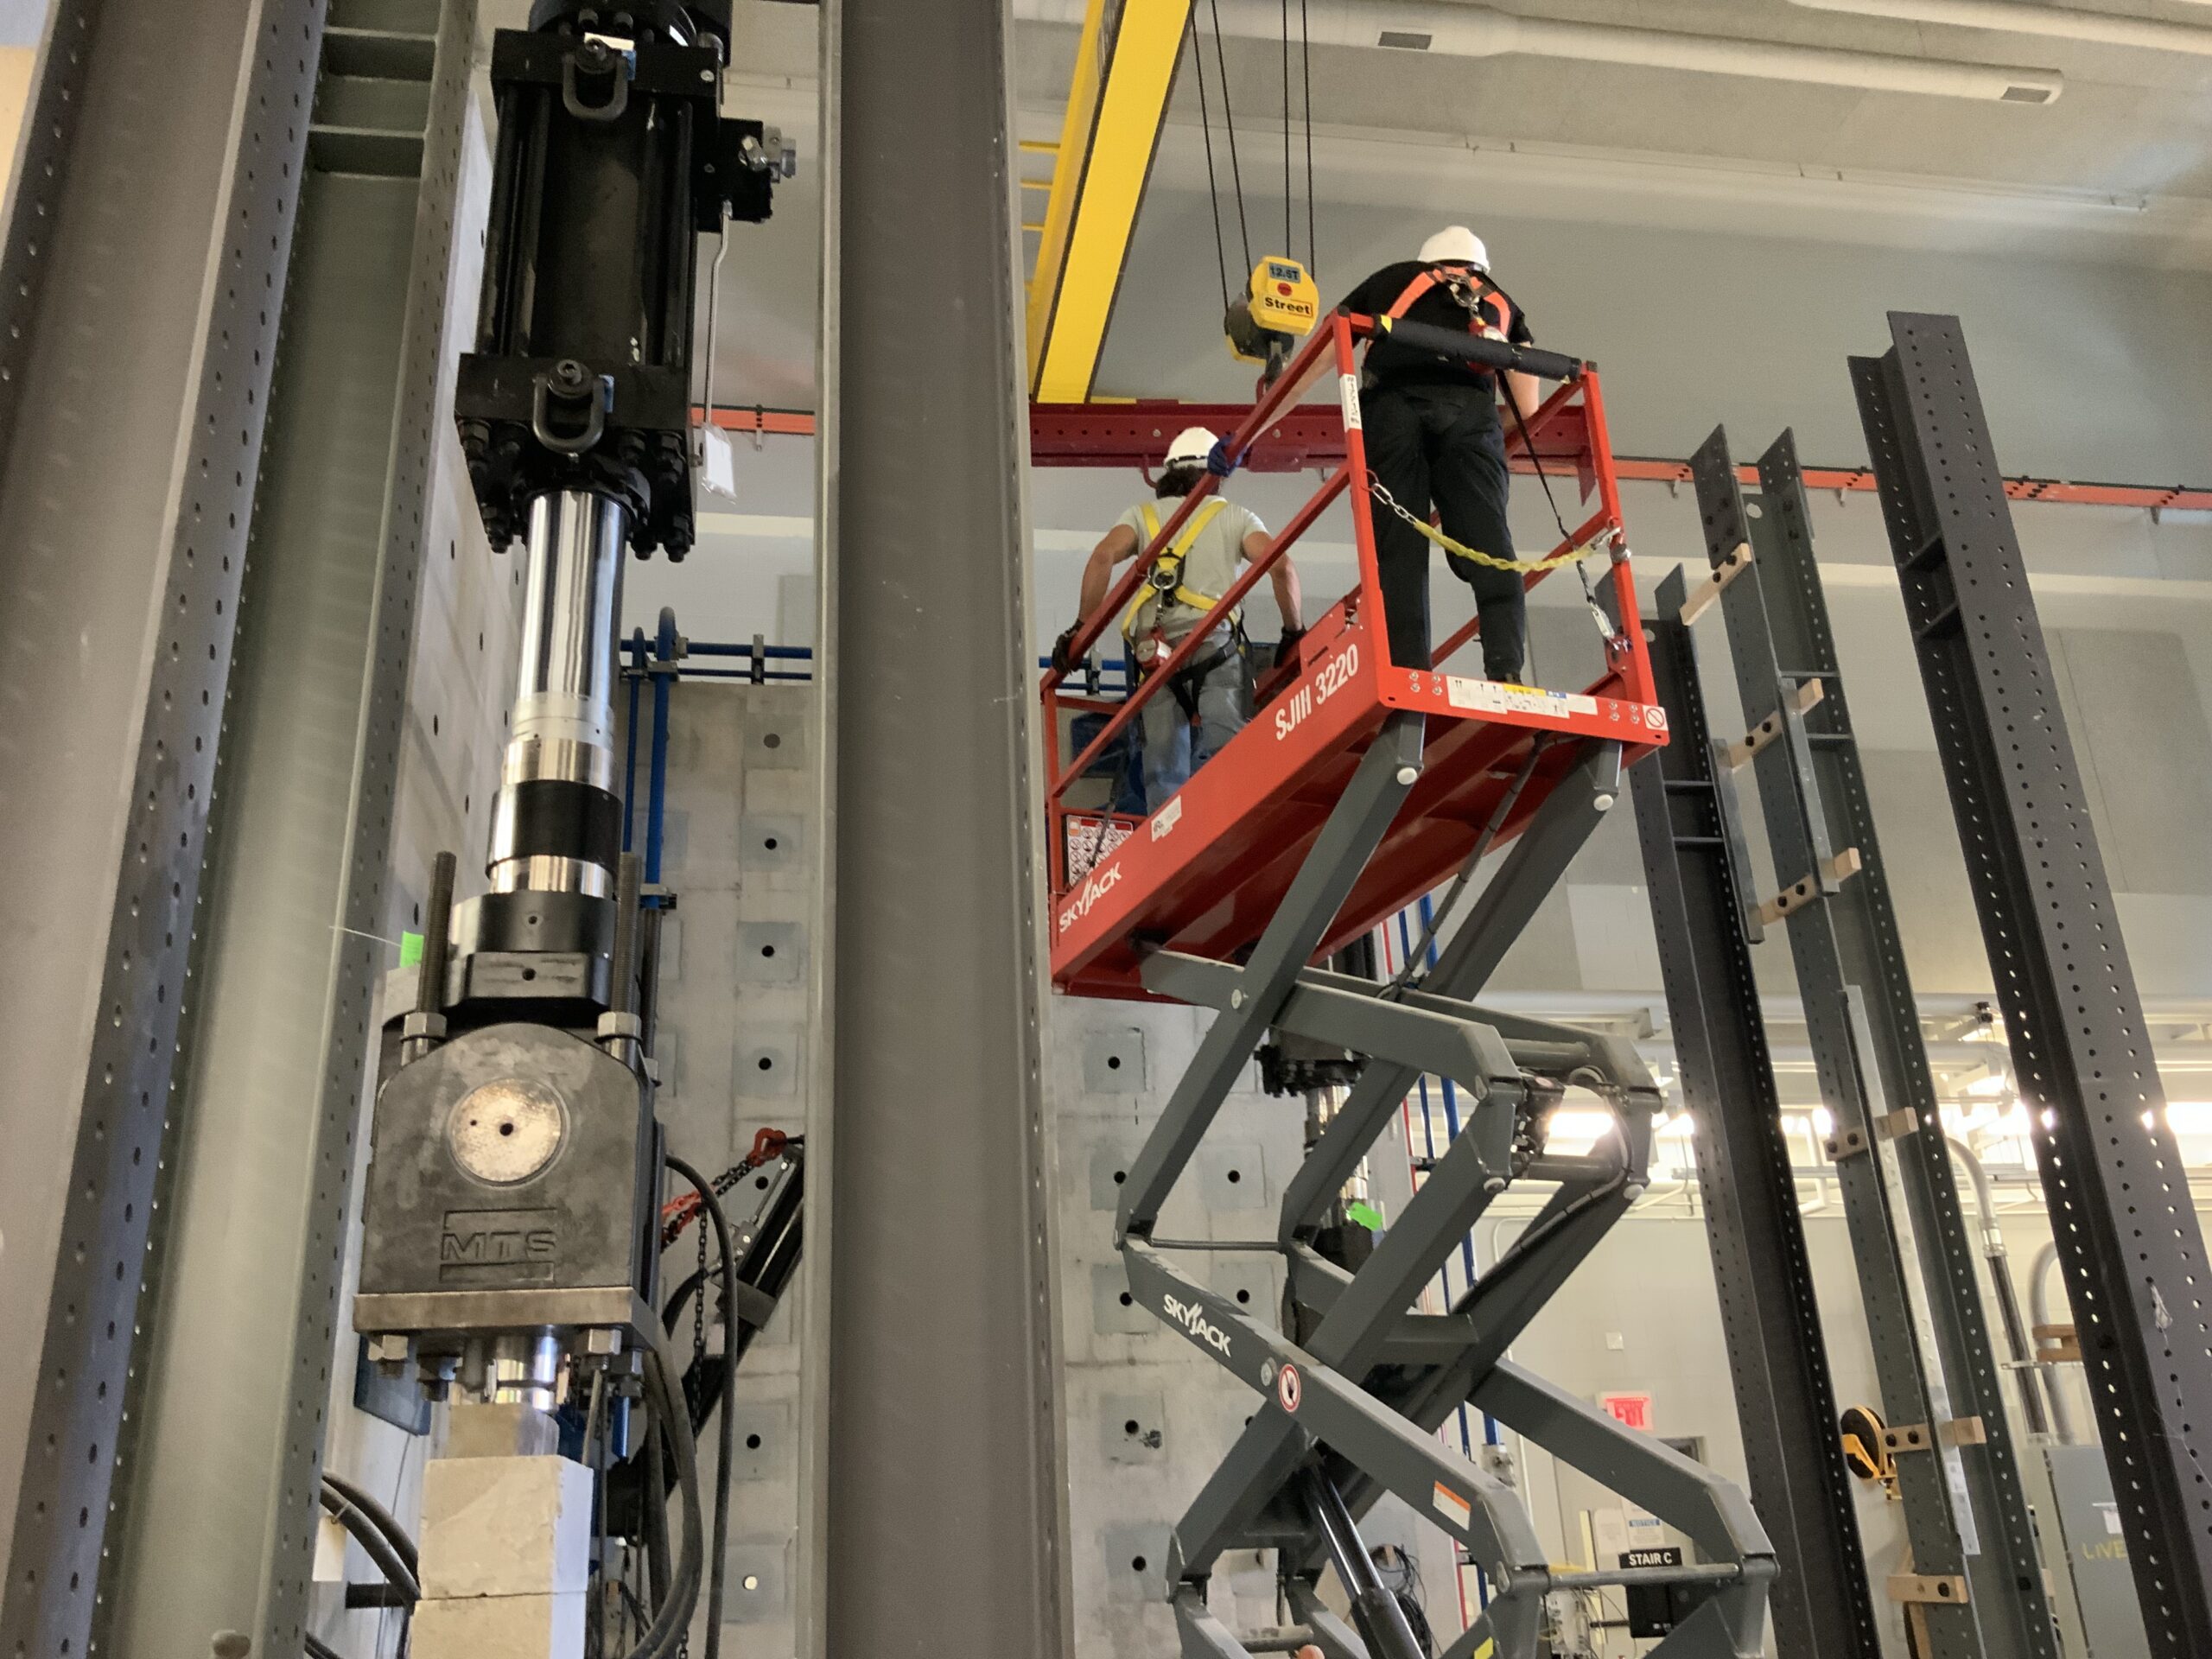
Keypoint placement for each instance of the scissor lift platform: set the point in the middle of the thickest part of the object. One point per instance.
(1207, 870)
(1360, 787)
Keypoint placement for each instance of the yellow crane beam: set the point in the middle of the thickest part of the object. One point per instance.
(1124, 69)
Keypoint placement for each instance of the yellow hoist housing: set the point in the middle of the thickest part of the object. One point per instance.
(1280, 305)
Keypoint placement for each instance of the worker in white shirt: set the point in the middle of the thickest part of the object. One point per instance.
(1210, 700)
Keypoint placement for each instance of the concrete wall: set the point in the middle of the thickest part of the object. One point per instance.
(738, 850)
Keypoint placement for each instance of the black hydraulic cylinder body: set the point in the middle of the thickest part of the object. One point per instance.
(613, 157)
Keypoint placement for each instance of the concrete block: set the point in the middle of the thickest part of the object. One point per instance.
(499, 1627)
(474, 1430)
(505, 1527)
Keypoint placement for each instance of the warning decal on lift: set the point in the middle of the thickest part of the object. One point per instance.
(1455, 1509)
(1288, 1390)
(1493, 697)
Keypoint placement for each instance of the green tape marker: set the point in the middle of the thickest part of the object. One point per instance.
(1366, 1215)
(410, 950)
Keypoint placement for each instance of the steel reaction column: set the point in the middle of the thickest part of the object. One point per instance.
(146, 247)
(2131, 1247)
(936, 1488)
(217, 1499)
(1895, 1171)
(1778, 1359)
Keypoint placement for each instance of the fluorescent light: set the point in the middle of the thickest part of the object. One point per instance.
(1823, 1121)
(2189, 1116)
(2063, 22)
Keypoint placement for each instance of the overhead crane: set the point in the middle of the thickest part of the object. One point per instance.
(1362, 786)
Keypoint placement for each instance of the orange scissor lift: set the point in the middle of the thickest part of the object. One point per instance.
(1360, 787)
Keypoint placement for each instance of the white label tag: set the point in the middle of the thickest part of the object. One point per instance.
(1348, 394)
(717, 462)
(1455, 1509)
(1492, 697)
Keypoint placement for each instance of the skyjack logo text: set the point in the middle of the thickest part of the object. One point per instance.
(1096, 885)
(1191, 1317)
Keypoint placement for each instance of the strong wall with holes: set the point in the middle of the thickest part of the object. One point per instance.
(738, 851)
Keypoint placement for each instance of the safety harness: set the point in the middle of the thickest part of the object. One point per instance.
(1164, 586)
(1469, 292)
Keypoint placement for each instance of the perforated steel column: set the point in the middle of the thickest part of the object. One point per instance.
(143, 271)
(216, 1515)
(2127, 1235)
(940, 1498)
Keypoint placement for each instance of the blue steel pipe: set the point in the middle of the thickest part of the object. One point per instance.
(656, 789)
(636, 646)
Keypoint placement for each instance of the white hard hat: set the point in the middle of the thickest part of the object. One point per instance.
(1455, 245)
(1192, 443)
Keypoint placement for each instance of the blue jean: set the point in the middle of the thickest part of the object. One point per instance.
(1174, 746)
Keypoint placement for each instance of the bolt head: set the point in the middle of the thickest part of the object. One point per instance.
(602, 1341)
(1407, 776)
(1604, 803)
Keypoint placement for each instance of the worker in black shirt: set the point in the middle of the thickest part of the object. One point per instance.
(1433, 439)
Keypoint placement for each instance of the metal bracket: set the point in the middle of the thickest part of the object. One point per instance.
(1832, 873)
(1943, 1589)
(1800, 702)
(1907, 1437)
(1701, 597)
(1893, 1126)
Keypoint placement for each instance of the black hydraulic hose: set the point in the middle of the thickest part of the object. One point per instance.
(725, 1431)
(384, 1521)
(365, 1533)
(314, 1648)
(660, 1570)
(672, 1617)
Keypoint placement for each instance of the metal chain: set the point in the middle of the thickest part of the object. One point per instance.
(1558, 561)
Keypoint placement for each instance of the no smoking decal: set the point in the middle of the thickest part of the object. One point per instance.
(1288, 1391)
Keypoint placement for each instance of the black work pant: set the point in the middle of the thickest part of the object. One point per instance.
(1441, 446)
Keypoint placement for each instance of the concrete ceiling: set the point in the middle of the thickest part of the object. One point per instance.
(2118, 170)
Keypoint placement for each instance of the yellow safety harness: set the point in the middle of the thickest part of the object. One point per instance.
(1163, 582)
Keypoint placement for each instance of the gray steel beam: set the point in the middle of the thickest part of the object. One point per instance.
(1770, 1317)
(2133, 1251)
(145, 262)
(937, 1512)
(1939, 1521)
(1815, 792)
(218, 1497)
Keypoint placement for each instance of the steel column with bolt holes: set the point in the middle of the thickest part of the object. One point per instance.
(146, 247)
(1861, 1017)
(934, 1498)
(217, 1497)
(2132, 1252)
(1770, 1319)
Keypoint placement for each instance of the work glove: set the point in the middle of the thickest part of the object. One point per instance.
(1286, 647)
(1064, 652)
(1221, 461)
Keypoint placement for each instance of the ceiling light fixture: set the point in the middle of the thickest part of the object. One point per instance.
(2011, 17)
(1472, 31)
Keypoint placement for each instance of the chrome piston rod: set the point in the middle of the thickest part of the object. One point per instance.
(557, 781)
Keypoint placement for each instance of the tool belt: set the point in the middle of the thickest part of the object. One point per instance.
(1184, 684)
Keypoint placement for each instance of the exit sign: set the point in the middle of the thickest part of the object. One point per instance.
(1633, 1410)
